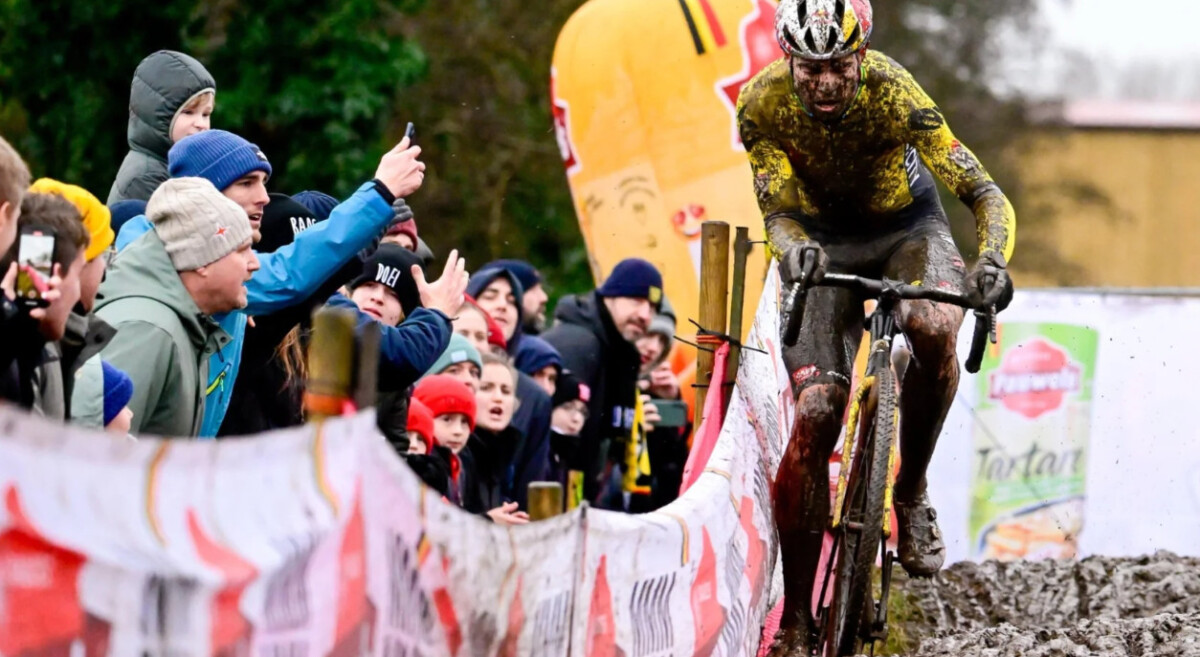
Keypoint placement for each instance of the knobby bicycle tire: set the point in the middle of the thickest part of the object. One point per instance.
(864, 504)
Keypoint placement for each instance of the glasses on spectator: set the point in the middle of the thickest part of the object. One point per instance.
(108, 256)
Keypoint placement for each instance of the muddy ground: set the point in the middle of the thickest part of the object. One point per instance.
(1095, 607)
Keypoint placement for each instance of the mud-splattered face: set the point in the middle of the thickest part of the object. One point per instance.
(827, 87)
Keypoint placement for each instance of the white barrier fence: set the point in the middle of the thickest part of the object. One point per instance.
(321, 542)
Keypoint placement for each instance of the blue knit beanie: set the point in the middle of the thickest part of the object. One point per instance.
(633, 277)
(525, 272)
(318, 203)
(118, 390)
(221, 157)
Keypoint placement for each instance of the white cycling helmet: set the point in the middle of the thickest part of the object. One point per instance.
(822, 29)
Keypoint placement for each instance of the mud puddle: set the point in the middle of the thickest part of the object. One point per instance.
(1099, 606)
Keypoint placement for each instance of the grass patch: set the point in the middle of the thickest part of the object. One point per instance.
(905, 619)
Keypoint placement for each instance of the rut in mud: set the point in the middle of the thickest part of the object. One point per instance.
(1098, 606)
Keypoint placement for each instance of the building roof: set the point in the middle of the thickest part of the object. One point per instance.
(1127, 114)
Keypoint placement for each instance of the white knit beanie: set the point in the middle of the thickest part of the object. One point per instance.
(196, 223)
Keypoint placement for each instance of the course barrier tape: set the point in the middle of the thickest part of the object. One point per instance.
(320, 541)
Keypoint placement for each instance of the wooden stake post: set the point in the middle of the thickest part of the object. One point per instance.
(714, 294)
(342, 368)
(741, 251)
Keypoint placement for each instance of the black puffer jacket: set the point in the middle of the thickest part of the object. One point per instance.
(493, 467)
(600, 357)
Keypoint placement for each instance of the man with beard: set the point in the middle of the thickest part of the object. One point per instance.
(596, 334)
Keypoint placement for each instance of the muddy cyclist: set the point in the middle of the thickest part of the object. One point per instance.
(842, 141)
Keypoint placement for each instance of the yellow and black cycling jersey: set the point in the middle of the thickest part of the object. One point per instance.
(861, 173)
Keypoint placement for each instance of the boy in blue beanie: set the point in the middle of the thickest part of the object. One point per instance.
(290, 275)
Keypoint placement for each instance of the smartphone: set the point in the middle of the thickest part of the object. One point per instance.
(411, 133)
(35, 265)
(673, 413)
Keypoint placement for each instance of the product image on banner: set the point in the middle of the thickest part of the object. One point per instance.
(1033, 420)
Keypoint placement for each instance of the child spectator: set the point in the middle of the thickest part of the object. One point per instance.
(453, 408)
(118, 390)
(172, 97)
(460, 360)
(540, 361)
(570, 401)
(420, 428)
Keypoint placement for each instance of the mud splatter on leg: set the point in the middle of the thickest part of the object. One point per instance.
(928, 388)
(801, 495)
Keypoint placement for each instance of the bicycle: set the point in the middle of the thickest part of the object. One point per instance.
(861, 516)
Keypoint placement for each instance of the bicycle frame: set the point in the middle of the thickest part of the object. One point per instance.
(863, 418)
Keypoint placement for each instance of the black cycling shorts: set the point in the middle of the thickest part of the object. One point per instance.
(921, 251)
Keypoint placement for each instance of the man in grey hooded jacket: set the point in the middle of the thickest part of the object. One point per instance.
(166, 86)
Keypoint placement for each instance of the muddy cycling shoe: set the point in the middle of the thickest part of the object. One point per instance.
(790, 642)
(922, 551)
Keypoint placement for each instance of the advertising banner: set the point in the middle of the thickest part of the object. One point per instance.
(644, 97)
(1033, 419)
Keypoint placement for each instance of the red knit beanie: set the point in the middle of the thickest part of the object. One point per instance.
(420, 422)
(404, 228)
(444, 394)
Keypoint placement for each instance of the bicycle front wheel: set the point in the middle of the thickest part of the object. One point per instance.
(861, 525)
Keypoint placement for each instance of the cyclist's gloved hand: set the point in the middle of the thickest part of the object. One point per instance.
(989, 284)
(804, 260)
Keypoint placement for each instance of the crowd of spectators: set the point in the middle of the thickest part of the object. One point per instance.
(182, 308)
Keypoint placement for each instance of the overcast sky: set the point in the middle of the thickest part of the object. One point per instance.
(1113, 49)
(1125, 29)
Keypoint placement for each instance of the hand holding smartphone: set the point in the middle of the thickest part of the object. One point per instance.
(35, 265)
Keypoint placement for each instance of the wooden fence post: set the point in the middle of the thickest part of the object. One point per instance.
(331, 364)
(714, 295)
(741, 251)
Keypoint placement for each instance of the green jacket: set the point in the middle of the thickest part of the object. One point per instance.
(162, 83)
(54, 380)
(163, 341)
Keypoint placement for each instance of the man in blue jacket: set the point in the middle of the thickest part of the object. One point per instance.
(291, 274)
